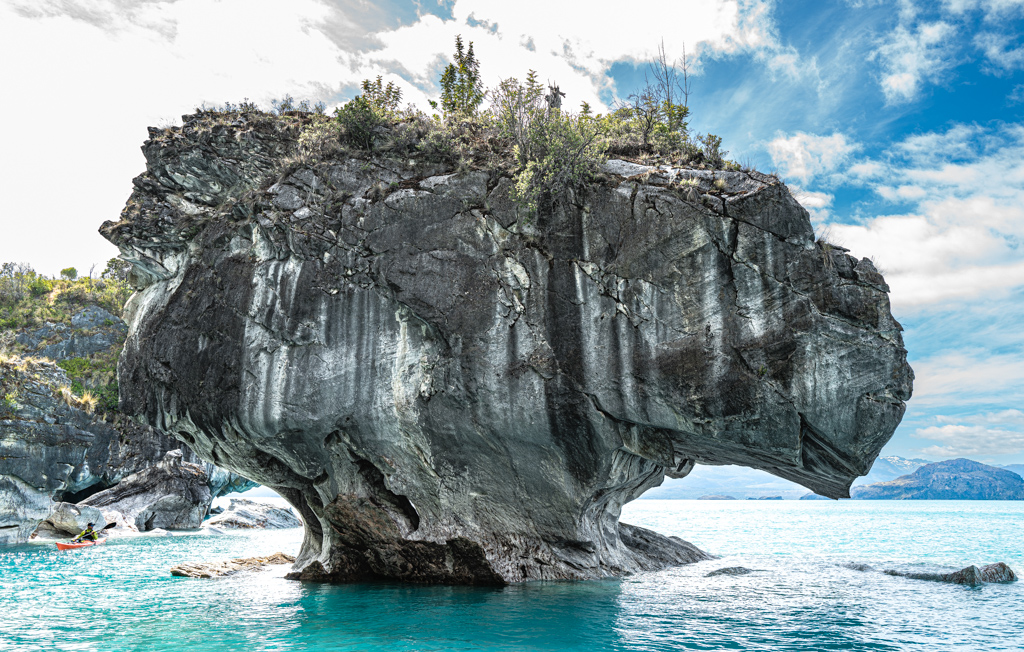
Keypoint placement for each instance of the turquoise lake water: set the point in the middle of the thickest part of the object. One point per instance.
(121, 596)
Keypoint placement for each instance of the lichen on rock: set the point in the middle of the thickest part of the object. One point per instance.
(451, 389)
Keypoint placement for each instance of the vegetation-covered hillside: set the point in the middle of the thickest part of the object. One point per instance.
(37, 312)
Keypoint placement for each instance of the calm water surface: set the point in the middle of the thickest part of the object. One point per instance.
(121, 596)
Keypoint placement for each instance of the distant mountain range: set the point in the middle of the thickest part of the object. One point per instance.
(741, 482)
(958, 479)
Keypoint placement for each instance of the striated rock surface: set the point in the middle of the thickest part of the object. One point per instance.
(214, 569)
(172, 495)
(958, 479)
(451, 391)
(249, 514)
(46, 436)
(92, 330)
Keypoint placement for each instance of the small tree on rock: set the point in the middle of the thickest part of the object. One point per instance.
(462, 91)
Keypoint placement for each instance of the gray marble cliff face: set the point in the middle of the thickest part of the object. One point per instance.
(450, 391)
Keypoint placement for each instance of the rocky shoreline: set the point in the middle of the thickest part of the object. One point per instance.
(61, 458)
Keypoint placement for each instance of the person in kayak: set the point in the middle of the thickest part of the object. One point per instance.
(88, 534)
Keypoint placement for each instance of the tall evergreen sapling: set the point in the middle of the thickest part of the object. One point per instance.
(462, 91)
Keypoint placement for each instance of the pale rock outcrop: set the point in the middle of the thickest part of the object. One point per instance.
(66, 519)
(172, 495)
(247, 514)
(449, 389)
(230, 567)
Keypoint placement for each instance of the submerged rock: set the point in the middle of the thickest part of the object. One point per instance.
(231, 566)
(997, 573)
(173, 495)
(732, 570)
(451, 389)
(958, 479)
(248, 514)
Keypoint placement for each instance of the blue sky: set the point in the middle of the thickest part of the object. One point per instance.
(899, 124)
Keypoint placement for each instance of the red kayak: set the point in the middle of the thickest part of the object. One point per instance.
(84, 544)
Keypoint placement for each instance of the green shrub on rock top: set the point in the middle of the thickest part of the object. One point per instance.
(462, 90)
(360, 119)
(553, 150)
(523, 132)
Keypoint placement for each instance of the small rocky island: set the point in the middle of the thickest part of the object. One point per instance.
(451, 385)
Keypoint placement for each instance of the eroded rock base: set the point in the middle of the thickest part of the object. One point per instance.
(362, 555)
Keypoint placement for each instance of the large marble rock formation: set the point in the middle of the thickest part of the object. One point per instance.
(68, 519)
(450, 389)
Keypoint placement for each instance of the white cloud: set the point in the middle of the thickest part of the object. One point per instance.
(576, 48)
(911, 56)
(957, 142)
(975, 434)
(85, 95)
(809, 156)
(967, 441)
(962, 238)
(816, 203)
(992, 10)
(968, 377)
(998, 50)
(1003, 416)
